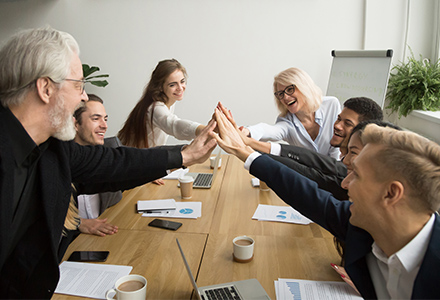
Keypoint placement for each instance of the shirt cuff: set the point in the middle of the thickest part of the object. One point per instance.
(250, 160)
(275, 149)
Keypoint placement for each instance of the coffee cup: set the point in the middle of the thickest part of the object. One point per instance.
(186, 186)
(263, 186)
(212, 162)
(129, 287)
(243, 249)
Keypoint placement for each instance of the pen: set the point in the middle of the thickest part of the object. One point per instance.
(156, 212)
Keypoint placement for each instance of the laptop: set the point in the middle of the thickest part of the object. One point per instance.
(244, 289)
(205, 180)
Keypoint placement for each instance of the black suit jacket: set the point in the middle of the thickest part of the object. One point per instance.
(332, 214)
(31, 271)
(326, 171)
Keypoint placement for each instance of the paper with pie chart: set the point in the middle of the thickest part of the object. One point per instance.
(279, 214)
(184, 210)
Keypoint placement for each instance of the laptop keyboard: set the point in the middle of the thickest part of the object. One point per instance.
(203, 179)
(221, 293)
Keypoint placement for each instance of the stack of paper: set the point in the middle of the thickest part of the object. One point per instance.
(293, 289)
(150, 206)
(89, 280)
(176, 174)
(279, 214)
(183, 210)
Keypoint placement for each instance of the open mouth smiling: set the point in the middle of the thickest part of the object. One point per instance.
(291, 103)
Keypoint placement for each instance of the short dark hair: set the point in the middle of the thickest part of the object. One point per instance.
(361, 126)
(365, 107)
(79, 111)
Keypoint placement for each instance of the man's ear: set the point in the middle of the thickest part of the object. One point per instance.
(395, 192)
(75, 122)
(45, 89)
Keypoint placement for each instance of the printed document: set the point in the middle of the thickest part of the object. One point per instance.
(279, 214)
(88, 279)
(296, 289)
(184, 210)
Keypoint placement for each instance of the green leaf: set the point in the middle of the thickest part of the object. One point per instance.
(89, 70)
(100, 83)
(414, 85)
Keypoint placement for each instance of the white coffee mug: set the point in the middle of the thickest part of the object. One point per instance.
(129, 287)
(243, 249)
(212, 162)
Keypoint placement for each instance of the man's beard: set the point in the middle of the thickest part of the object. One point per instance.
(62, 120)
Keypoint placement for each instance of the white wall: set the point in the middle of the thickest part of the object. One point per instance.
(231, 48)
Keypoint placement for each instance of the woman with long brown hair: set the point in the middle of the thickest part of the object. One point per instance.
(152, 120)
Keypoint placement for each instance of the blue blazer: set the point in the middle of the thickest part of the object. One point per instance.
(321, 207)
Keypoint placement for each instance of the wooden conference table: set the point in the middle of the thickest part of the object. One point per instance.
(282, 250)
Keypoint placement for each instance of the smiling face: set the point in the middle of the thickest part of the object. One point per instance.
(354, 148)
(365, 190)
(174, 87)
(343, 126)
(93, 125)
(293, 103)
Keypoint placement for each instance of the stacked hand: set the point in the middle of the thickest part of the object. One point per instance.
(230, 138)
(201, 147)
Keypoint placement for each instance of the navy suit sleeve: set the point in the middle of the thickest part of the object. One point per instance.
(327, 182)
(318, 161)
(303, 195)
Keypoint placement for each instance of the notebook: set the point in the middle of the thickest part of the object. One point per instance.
(244, 289)
(205, 180)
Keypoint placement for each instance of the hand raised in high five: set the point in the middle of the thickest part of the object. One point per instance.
(229, 137)
(201, 147)
(244, 132)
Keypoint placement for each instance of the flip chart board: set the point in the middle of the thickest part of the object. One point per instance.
(360, 73)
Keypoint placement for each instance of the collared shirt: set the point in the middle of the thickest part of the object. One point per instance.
(393, 277)
(291, 130)
(89, 206)
(26, 208)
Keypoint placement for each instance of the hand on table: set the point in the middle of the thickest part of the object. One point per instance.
(159, 182)
(341, 271)
(98, 227)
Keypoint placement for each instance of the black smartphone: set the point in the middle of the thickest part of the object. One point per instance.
(88, 256)
(165, 224)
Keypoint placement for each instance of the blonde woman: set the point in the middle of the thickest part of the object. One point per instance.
(306, 117)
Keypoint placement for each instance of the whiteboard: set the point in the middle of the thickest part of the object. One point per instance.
(360, 73)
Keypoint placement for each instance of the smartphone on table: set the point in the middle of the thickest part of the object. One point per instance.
(88, 256)
(170, 225)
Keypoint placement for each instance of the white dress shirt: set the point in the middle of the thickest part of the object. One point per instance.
(166, 123)
(291, 130)
(89, 206)
(393, 277)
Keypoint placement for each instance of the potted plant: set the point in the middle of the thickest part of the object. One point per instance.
(89, 70)
(414, 85)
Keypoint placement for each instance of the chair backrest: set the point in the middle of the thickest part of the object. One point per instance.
(112, 142)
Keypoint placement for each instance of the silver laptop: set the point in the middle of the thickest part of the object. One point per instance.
(244, 289)
(205, 180)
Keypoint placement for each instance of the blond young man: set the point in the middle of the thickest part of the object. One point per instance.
(390, 228)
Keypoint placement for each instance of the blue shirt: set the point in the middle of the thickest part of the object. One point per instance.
(291, 130)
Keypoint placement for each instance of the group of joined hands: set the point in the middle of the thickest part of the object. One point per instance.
(223, 131)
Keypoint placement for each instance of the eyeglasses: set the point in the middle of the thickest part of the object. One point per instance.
(82, 81)
(288, 91)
